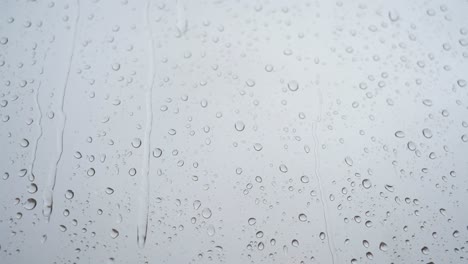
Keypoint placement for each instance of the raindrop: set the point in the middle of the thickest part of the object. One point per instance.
(269, 68)
(116, 66)
(24, 143)
(250, 83)
(383, 246)
(293, 86)
(32, 188)
(210, 230)
(427, 133)
(258, 146)
(366, 183)
(30, 204)
(261, 246)
(136, 142)
(196, 204)
(69, 194)
(157, 152)
(283, 168)
(91, 172)
(239, 125)
(400, 134)
(109, 190)
(295, 243)
(206, 213)
(425, 250)
(393, 16)
(322, 235)
(302, 217)
(114, 233)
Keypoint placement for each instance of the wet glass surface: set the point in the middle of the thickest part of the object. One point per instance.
(233, 131)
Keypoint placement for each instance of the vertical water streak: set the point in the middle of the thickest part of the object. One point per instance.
(181, 20)
(50, 184)
(143, 206)
(39, 122)
(318, 178)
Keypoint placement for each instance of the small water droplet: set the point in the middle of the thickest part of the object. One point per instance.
(322, 235)
(24, 143)
(69, 194)
(30, 204)
(283, 168)
(157, 152)
(366, 183)
(114, 233)
(91, 172)
(206, 213)
(239, 126)
(383, 246)
(427, 133)
(302, 217)
(400, 134)
(425, 250)
(293, 86)
(136, 142)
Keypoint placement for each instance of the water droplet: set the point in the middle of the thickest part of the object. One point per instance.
(269, 68)
(250, 83)
(252, 221)
(116, 66)
(136, 142)
(283, 168)
(204, 103)
(157, 152)
(196, 204)
(295, 243)
(114, 233)
(3, 40)
(206, 213)
(464, 138)
(302, 217)
(349, 161)
(132, 172)
(427, 133)
(261, 246)
(383, 246)
(30, 204)
(69, 194)
(366, 183)
(393, 16)
(109, 190)
(211, 230)
(365, 243)
(258, 146)
(389, 188)
(32, 188)
(400, 134)
(322, 235)
(239, 125)
(259, 234)
(91, 172)
(425, 250)
(293, 86)
(24, 143)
